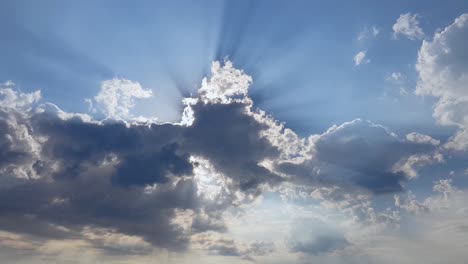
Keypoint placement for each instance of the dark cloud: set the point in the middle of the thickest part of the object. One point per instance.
(146, 154)
(98, 174)
(66, 172)
(92, 201)
(358, 154)
(230, 138)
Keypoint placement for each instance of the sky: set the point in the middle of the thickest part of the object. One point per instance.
(247, 131)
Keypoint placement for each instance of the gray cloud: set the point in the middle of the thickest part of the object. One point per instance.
(143, 179)
(128, 177)
(356, 155)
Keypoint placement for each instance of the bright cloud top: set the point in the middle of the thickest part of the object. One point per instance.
(443, 73)
(408, 25)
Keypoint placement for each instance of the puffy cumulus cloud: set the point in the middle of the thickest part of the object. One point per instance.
(443, 73)
(225, 85)
(153, 183)
(117, 97)
(350, 156)
(408, 25)
(19, 147)
(360, 58)
(11, 99)
(119, 185)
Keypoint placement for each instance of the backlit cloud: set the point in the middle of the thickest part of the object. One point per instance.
(122, 186)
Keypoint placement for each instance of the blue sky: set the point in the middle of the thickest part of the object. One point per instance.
(301, 48)
(373, 96)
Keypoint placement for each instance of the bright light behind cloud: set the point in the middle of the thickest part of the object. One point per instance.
(226, 179)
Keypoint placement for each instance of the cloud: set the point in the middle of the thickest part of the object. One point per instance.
(19, 146)
(422, 139)
(9, 98)
(359, 58)
(408, 25)
(160, 185)
(351, 156)
(443, 73)
(117, 97)
(433, 230)
(410, 165)
(130, 178)
(225, 85)
(436, 225)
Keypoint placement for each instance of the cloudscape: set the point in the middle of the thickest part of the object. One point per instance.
(233, 132)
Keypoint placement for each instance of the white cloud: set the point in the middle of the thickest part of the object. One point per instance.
(422, 139)
(20, 149)
(459, 141)
(10, 98)
(359, 58)
(409, 166)
(408, 25)
(225, 85)
(342, 168)
(443, 73)
(117, 97)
